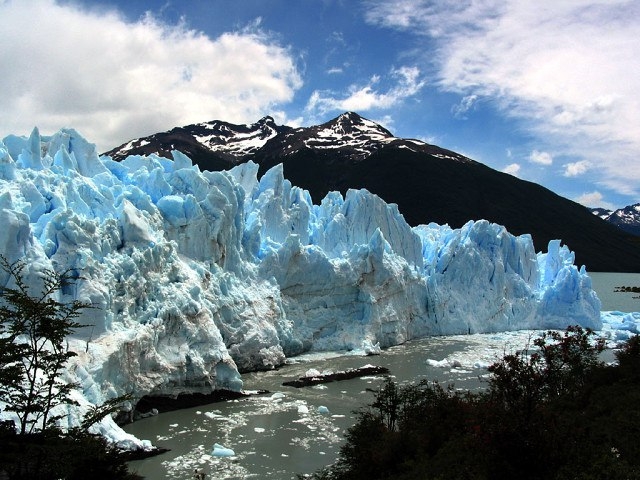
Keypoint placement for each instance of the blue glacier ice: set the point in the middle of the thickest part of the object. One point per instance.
(199, 276)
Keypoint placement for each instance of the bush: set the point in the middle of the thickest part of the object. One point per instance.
(33, 328)
(52, 454)
(553, 411)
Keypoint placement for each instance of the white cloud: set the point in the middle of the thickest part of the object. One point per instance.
(541, 158)
(576, 168)
(406, 83)
(459, 110)
(115, 80)
(430, 139)
(512, 169)
(594, 199)
(567, 68)
(385, 121)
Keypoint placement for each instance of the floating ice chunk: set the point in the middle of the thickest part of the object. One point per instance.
(323, 410)
(303, 409)
(481, 364)
(446, 363)
(438, 363)
(258, 429)
(220, 451)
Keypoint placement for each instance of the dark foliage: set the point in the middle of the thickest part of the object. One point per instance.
(49, 455)
(553, 411)
(33, 328)
(33, 355)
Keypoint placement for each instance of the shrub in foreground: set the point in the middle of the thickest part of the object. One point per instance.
(33, 356)
(552, 411)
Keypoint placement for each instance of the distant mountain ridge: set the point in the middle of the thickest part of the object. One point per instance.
(349, 135)
(427, 182)
(627, 218)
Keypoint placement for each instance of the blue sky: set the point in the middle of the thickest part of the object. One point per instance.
(546, 90)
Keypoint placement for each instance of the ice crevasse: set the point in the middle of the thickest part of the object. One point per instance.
(197, 276)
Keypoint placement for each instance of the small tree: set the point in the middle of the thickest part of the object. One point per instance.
(559, 365)
(388, 404)
(32, 352)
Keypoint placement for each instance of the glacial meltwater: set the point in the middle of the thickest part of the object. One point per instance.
(292, 431)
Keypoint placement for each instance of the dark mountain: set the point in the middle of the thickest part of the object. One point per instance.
(627, 218)
(213, 145)
(429, 183)
(603, 213)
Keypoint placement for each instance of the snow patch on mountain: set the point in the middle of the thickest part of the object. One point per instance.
(629, 215)
(627, 218)
(349, 135)
(238, 140)
(349, 131)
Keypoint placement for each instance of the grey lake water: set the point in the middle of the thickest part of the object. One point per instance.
(293, 431)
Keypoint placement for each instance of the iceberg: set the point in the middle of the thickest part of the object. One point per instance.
(221, 451)
(198, 276)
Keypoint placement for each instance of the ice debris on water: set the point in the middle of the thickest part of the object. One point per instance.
(303, 409)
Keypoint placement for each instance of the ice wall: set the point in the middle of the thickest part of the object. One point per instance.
(197, 276)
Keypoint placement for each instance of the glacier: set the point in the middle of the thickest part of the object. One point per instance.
(198, 276)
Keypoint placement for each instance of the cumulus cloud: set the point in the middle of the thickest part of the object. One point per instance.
(406, 82)
(541, 158)
(512, 169)
(593, 200)
(115, 80)
(386, 121)
(576, 168)
(564, 68)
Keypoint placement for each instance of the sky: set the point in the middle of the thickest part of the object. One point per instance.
(548, 91)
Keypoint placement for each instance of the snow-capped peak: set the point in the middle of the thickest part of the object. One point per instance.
(238, 140)
(629, 215)
(349, 135)
(352, 124)
(627, 218)
(348, 132)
